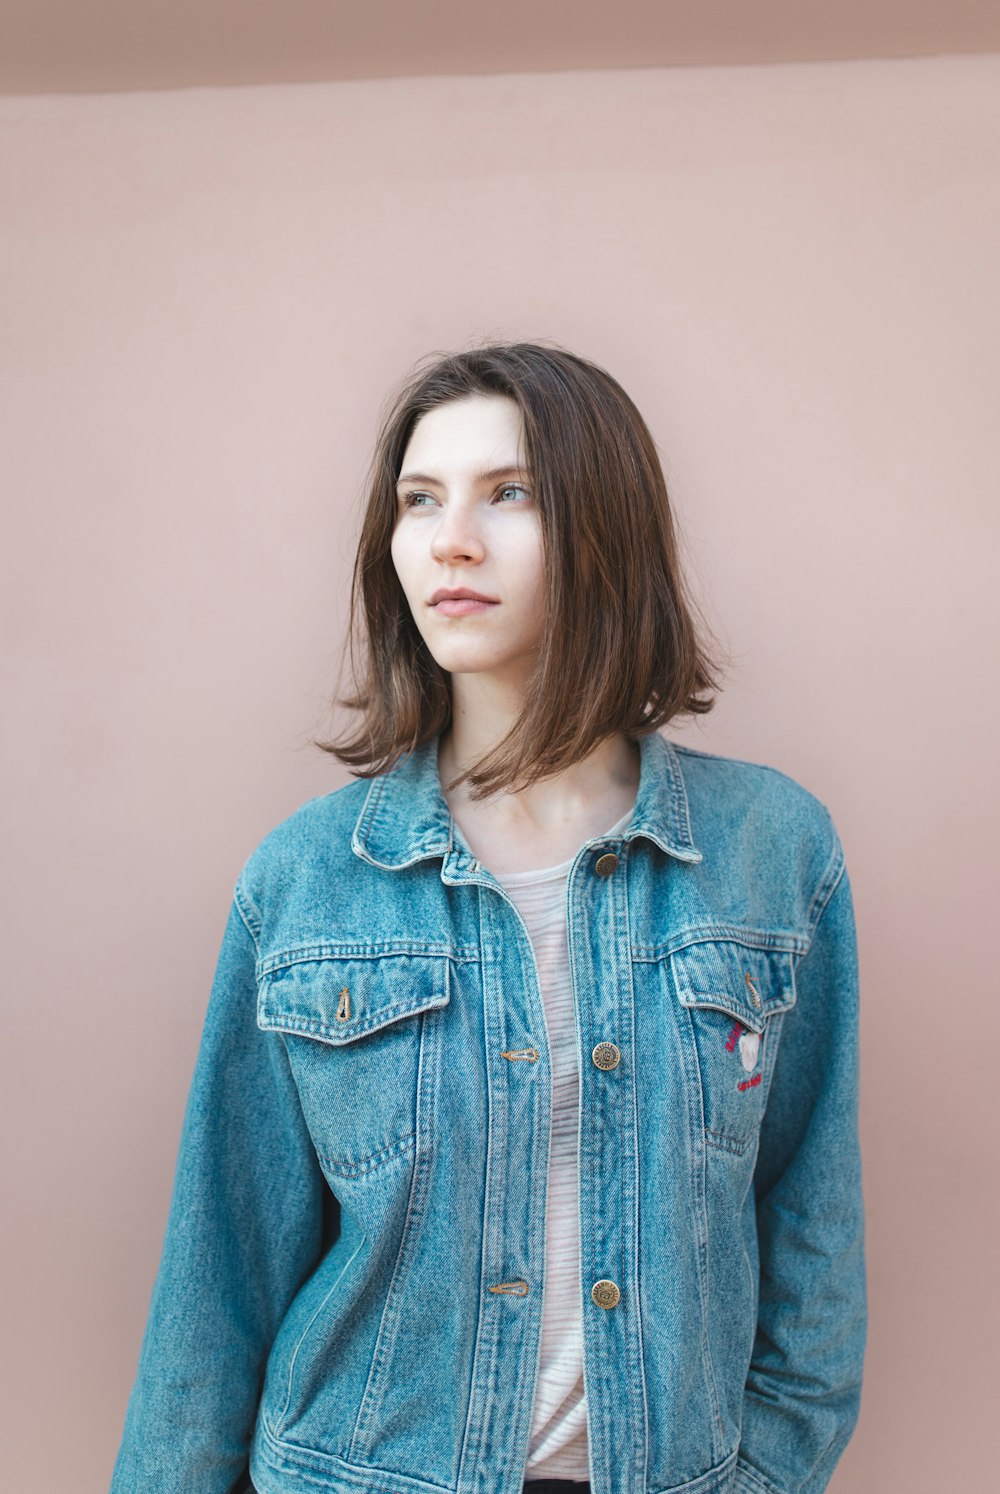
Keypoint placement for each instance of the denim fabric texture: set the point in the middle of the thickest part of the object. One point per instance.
(349, 1298)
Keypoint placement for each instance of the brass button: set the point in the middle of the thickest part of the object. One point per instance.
(606, 1056)
(605, 865)
(605, 1293)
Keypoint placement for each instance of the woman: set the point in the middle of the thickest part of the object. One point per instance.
(521, 1150)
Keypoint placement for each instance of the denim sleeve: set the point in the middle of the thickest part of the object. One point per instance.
(803, 1388)
(243, 1232)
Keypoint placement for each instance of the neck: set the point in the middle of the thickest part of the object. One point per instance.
(609, 775)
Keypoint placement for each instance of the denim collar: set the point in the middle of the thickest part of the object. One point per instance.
(405, 817)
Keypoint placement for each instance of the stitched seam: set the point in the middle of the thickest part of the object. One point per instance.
(755, 1021)
(248, 914)
(682, 809)
(748, 1472)
(306, 1462)
(337, 952)
(723, 933)
(714, 1481)
(479, 1350)
(638, 1181)
(416, 1209)
(369, 1163)
(694, 1089)
(307, 1330)
(308, 1027)
(832, 873)
(727, 1143)
(746, 762)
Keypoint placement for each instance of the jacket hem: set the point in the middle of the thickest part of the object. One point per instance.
(717, 1480)
(750, 1481)
(279, 1467)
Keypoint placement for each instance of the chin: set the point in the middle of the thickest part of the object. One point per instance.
(464, 664)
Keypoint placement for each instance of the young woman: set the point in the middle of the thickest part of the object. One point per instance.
(521, 1150)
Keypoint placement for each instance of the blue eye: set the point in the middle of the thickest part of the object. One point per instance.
(413, 498)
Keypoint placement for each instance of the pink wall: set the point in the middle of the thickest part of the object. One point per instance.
(205, 297)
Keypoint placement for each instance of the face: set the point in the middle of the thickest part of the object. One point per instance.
(466, 519)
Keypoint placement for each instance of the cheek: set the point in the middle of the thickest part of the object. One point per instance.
(526, 562)
(534, 586)
(402, 560)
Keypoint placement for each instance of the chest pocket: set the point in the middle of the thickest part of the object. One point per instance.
(362, 1041)
(734, 996)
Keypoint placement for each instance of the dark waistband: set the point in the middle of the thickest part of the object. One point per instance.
(555, 1486)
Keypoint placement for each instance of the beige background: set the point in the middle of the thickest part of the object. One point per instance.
(61, 46)
(205, 297)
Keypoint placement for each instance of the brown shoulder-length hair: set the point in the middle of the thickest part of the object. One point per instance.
(621, 650)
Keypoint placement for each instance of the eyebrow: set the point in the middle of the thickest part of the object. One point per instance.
(490, 476)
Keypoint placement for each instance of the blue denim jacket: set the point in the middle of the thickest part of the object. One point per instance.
(350, 1294)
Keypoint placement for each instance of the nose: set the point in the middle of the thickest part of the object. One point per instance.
(456, 537)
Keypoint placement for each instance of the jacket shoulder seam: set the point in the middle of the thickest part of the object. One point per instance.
(828, 882)
(248, 911)
(746, 762)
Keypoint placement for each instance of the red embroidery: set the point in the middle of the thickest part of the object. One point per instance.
(749, 1083)
(733, 1038)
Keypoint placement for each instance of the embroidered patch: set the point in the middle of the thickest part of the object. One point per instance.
(749, 1049)
(733, 1038)
(749, 1083)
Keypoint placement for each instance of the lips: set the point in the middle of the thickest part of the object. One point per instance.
(464, 606)
(458, 594)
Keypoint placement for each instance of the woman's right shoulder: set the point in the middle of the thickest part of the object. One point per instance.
(314, 840)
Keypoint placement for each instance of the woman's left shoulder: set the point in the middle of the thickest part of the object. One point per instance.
(759, 803)
(764, 837)
(748, 781)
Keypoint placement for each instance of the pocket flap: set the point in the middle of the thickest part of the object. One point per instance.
(339, 998)
(747, 983)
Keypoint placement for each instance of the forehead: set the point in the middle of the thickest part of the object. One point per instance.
(465, 433)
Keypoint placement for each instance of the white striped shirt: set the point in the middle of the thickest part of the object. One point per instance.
(558, 1447)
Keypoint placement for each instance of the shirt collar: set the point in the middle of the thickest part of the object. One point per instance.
(405, 817)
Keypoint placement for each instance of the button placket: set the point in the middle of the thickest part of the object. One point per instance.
(606, 1056)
